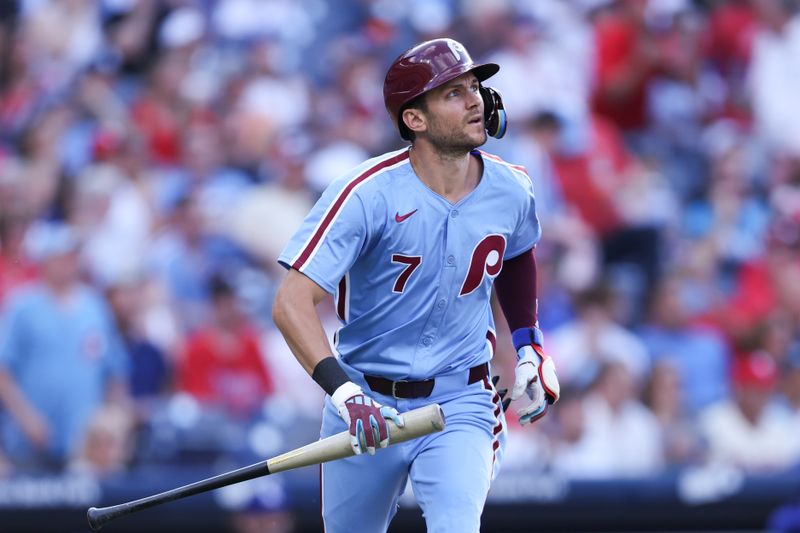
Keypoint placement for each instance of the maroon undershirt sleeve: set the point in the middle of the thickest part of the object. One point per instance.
(516, 290)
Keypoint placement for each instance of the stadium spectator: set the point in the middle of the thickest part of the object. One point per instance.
(180, 262)
(627, 59)
(730, 213)
(222, 365)
(570, 451)
(730, 31)
(150, 370)
(602, 183)
(775, 56)
(751, 430)
(594, 338)
(765, 287)
(106, 447)
(664, 395)
(61, 358)
(620, 437)
(113, 218)
(699, 354)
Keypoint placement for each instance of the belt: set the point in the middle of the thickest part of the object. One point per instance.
(418, 389)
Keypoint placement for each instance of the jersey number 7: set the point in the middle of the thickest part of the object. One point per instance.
(487, 259)
(411, 262)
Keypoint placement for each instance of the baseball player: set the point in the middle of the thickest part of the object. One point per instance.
(411, 244)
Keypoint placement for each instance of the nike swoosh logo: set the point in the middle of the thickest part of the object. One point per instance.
(399, 218)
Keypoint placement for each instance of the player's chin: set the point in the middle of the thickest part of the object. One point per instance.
(478, 138)
(475, 132)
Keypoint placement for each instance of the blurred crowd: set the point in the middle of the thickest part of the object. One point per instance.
(155, 156)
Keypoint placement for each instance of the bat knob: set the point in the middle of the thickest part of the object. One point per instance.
(94, 516)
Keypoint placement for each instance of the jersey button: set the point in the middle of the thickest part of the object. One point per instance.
(427, 341)
(441, 303)
(454, 213)
(451, 260)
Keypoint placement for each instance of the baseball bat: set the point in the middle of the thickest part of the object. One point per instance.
(418, 422)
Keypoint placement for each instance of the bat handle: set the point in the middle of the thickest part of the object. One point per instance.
(99, 516)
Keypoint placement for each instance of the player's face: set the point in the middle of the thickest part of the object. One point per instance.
(455, 116)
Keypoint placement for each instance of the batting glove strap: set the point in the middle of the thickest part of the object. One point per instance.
(527, 337)
(345, 391)
(547, 373)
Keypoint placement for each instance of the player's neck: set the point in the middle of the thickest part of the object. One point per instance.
(450, 177)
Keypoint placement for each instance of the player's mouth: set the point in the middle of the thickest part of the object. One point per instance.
(478, 119)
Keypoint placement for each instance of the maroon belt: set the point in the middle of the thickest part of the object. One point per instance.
(418, 389)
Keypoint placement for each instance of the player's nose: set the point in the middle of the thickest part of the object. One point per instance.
(474, 100)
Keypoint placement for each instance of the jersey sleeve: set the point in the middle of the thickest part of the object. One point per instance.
(528, 231)
(330, 238)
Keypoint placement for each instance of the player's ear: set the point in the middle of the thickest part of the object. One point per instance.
(414, 119)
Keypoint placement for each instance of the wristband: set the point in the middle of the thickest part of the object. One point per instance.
(527, 336)
(329, 375)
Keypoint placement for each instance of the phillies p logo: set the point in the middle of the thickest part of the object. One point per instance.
(487, 258)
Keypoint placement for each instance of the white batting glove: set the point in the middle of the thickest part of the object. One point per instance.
(535, 375)
(365, 418)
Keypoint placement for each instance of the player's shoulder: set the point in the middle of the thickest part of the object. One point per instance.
(368, 175)
(507, 172)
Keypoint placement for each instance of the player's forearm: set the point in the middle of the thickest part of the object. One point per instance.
(516, 291)
(304, 334)
(294, 313)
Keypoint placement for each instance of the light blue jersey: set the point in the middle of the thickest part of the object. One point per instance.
(412, 276)
(411, 273)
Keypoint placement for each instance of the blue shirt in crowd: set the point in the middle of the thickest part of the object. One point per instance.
(61, 355)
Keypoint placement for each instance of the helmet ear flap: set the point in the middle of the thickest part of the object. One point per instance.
(494, 113)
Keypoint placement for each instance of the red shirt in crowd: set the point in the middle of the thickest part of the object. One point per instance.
(225, 369)
(624, 65)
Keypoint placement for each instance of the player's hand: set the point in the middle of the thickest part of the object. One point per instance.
(365, 417)
(535, 375)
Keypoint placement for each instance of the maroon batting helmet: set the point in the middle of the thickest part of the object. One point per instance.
(425, 67)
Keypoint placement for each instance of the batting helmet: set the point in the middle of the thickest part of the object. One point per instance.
(425, 67)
